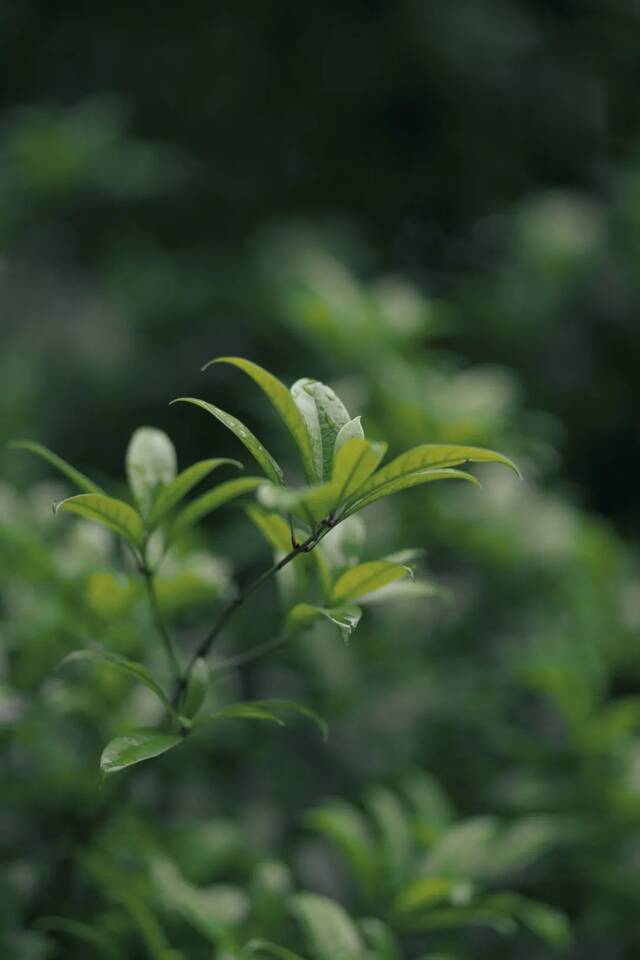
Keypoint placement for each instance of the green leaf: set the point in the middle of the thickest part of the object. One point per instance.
(452, 918)
(301, 709)
(273, 528)
(210, 501)
(131, 667)
(114, 514)
(197, 688)
(345, 826)
(394, 832)
(311, 503)
(264, 710)
(361, 499)
(354, 463)
(424, 893)
(547, 923)
(350, 431)
(303, 615)
(365, 578)
(84, 483)
(325, 415)
(380, 939)
(330, 932)
(412, 464)
(134, 747)
(151, 464)
(272, 949)
(283, 402)
(464, 850)
(183, 483)
(81, 931)
(260, 454)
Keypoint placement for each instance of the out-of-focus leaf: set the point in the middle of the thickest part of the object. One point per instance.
(211, 910)
(364, 579)
(151, 464)
(80, 480)
(312, 503)
(464, 850)
(380, 939)
(134, 747)
(432, 810)
(360, 500)
(197, 688)
(547, 923)
(283, 402)
(130, 667)
(521, 843)
(114, 514)
(348, 829)
(300, 708)
(350, 431)
(451, 918)
(354, 463)
(81, 931)
(404, 590)
(210, 501)
(329, 931)
(257, 947)
(261, 455)
(183, 483)
(303, 615)
(325, 415)
(423, 893)
(394, 833)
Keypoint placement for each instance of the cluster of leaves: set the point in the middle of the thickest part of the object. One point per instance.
(341, 468)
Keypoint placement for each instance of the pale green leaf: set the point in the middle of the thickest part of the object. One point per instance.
(210, 501)
(151, 464)
(424, 893)
(134, 747)
(325, 415)
(303, 615)
(80, 480)
(330, 932)
(364, 579)
(183, 483)
(394, 832)
(361, 499)
(197, 688)
(350, 431)
(283, 402)
(131, 667)
(114, 514)
(380, 939)
(354, 463)
(261, 455)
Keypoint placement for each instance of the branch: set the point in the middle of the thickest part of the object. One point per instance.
(158, 620)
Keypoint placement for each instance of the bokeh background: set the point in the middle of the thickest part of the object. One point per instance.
(435, 208)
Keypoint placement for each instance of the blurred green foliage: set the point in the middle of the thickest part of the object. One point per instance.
(434, 208)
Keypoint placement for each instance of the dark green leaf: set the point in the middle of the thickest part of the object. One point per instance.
(270, 949)
(197, 688)
(345, 825)
(283, 402)
(84, 483)
(261, 455)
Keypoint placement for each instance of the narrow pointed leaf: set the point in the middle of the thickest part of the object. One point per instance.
(183, 483)
(433, 456)
(261, 455)
(241, 711)
(348, 829)
(131, 667)
(210, 501)
(354, 463)
(134, 747)
(114, 514)
(361, 499)
(283, 402)
(197, 688)
(80, 480)
(303, 615)
(364, 579)
(300, 708)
